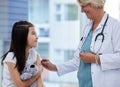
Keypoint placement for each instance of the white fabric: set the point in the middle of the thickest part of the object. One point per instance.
(108, 73)
(7, 80)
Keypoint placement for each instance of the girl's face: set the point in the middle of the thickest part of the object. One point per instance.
(32, 38)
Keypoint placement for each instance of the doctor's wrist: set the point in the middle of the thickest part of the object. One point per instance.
(97, 59)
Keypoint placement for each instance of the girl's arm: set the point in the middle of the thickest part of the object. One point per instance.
(16, 76)
(39, 81)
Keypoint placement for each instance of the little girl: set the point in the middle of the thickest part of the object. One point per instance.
(23, 39)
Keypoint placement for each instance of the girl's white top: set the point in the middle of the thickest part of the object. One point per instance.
(6, 79)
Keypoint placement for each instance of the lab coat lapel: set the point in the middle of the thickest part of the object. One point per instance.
(86, 32)
(87, 29)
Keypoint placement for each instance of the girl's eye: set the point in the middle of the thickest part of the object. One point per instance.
(33, 33)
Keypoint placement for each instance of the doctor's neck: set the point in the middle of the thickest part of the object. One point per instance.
(97, 18)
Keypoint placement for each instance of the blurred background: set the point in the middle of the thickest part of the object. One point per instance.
(58, 24)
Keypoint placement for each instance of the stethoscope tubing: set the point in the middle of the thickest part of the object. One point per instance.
(101, 34)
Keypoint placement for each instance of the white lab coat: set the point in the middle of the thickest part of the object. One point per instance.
(108, 73)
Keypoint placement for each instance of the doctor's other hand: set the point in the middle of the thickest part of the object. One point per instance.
(87, 57)
(48, 65)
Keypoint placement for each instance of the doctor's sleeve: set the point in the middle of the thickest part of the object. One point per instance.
(71, 65)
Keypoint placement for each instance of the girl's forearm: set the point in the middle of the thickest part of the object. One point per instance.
(40, 82)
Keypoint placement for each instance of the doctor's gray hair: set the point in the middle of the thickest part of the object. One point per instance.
(94, 3)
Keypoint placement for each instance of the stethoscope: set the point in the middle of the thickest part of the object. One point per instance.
(101, 34)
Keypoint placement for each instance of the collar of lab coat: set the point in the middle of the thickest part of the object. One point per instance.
(100, 26)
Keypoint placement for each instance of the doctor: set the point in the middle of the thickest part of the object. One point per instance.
(97, 58)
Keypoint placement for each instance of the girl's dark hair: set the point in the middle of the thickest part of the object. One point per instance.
(18, 43)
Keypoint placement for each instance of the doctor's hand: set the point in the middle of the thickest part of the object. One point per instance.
(87, 57)
(48, 65)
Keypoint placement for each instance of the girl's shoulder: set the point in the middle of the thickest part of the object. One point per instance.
(33, 55)
(37, 55)
(10, 58)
